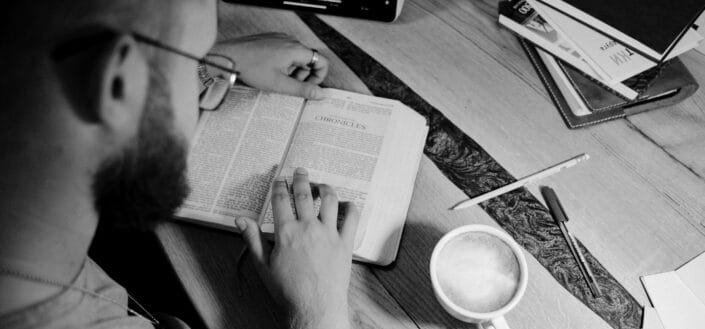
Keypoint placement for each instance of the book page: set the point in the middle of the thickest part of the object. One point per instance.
(339, 140)
(235, 154)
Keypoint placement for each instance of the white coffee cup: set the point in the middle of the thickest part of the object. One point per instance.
(490, 251)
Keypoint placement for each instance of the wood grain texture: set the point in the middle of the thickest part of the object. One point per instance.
(474, 171)
(636, 207)
(680, 132)
(545, 305)
(637, 204)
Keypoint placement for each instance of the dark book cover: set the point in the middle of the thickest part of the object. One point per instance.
(656, 23)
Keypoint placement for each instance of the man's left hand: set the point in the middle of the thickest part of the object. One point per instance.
(276, 62)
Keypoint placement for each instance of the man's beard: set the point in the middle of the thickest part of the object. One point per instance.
(146, 182)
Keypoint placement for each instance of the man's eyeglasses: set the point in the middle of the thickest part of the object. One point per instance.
(216, 72)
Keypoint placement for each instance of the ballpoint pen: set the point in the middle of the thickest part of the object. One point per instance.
(558, 213)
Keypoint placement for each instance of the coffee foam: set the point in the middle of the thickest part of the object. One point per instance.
(478, 272)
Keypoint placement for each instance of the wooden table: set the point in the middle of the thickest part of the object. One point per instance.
(638, 204)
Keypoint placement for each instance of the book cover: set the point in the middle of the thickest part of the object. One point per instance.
(522, 19)
(617, 61)
(650, 27)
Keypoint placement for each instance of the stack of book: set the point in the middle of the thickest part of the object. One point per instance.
(604, 59)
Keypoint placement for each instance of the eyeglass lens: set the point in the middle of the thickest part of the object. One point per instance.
(218, 84)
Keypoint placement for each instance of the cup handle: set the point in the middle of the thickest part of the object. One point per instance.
(496, 323)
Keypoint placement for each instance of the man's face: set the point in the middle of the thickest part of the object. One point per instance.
(146, 182)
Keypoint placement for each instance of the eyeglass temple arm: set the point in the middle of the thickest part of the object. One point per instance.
(156, 43)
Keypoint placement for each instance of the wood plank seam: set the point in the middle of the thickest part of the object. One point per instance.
(391, 294)
(636, 129)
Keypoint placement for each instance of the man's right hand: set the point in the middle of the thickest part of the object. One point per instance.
(309, 266)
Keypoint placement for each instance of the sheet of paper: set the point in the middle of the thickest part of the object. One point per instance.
(676, 304)
(693, 276)
(651, 319)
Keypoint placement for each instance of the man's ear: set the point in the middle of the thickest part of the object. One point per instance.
(121, 83)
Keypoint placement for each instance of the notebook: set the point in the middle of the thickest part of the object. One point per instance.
(650, 27)
(583, 101)
(615, 61)
(522, 19)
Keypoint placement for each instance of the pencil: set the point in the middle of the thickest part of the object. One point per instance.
(521, 182)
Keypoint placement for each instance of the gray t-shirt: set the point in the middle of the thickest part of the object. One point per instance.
(74, 309)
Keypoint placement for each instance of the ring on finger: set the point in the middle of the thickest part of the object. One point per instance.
(314, 58)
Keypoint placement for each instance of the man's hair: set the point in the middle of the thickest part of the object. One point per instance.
(31, 30)
(35, 26)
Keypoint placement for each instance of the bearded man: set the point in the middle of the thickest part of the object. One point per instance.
(100, 100)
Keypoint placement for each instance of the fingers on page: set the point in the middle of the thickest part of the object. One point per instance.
(281, 203)
(351, 217)
(329, 206)
(303, 199)
(291, 86)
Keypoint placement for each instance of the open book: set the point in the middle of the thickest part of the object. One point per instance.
(367, 148)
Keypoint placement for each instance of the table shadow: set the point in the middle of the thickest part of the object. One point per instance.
(230, 292)
(408, 282)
